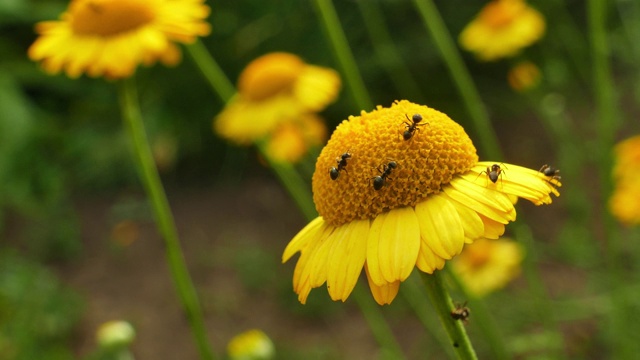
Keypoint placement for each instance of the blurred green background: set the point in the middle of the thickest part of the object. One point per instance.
(68, 184)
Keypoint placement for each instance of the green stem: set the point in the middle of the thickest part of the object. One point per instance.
(211, 71)
(537, 288)
(343, 53)
(377, 324)
(462, 78)
(386, 51)
(444, 306)
(482, 318)
(164, 219)
(295, 185)
(414, 294)
(607, 122)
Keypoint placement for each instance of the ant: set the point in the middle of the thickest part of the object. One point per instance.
(550, 171)
(341, 160)
(412, 126)
(461, 312)
(493, 172)
(380, 180)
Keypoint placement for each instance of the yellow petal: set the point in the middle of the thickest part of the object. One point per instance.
(373, 246)
(492, 229)
(399, 244)
(346, 258)
(385, 293)
(440, 226)
(308, 233)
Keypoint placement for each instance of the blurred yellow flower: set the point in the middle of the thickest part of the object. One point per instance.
(502, 29)
(251, 345)
(276, 89)
(625, 200)
(111, 38)
(409, 192)
(488, 265)
(115, 333)
(524, 76)
(290, 141)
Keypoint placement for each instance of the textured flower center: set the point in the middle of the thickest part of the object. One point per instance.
(110, 17)
(436, 150)
(270, 75)
(502, 12)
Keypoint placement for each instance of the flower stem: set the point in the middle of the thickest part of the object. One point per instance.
(343, 53)
(482, 125)
(482, 318)
(295, 185)
(387, 52)
(211, 71)
(164, 219)
(378, 325)
(442, 302)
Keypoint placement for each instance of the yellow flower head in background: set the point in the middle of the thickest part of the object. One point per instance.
(502, 29)
(277, 89)
(398, 188)
(524, 76)
(111, 38)
(625, 200)
(488, 265)
(251, 345)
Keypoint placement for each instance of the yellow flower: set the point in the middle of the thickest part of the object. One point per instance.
(275, 89)
(251, 345)
(291, 140)
(115, 333)
(399, 204)
(502, 29)
(111, 37)
(524, 76)
(488, 265)
(625, 200)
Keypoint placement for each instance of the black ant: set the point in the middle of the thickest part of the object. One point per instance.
(341, 160)
(380, 180)
(412, 126)
(550, 172)
(461, 312)
(493, 172)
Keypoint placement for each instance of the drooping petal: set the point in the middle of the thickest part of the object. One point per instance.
(399, 244)
(373, 246)
(478, 206)
(492, 228)
(307, 234)
(471, 222)
(440, 225)
(385, 293)
(346, 258)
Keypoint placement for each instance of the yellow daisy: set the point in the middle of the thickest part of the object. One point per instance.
(625, 200)
(290, 141)
(524, 76)
(488, 265)
(502, 29)
(409, 192)
(111, 37)
(274, 89)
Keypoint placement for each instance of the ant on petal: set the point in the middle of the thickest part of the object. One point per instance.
(493, 172)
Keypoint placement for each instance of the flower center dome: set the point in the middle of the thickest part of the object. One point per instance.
(270, 75)
(110, 17)
(502, 12)
(438, 149)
